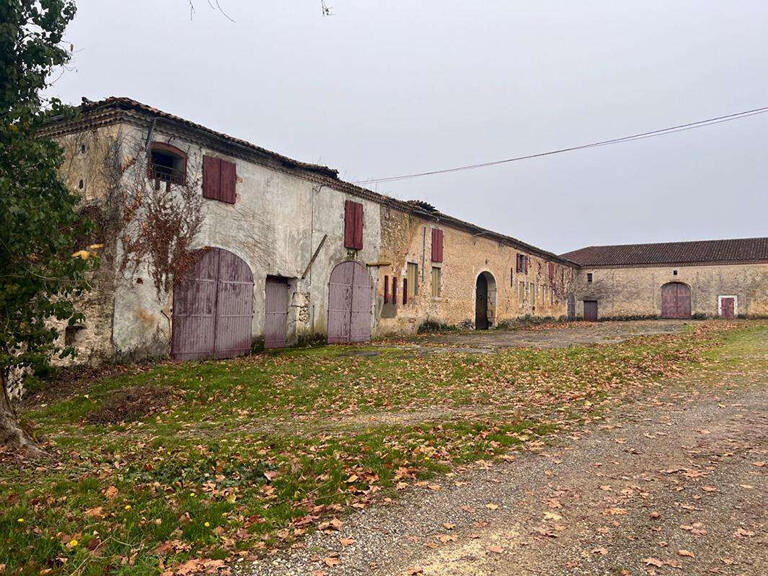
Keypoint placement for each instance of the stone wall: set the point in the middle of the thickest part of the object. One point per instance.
(636, 291)
(86, 170)
(408, 238)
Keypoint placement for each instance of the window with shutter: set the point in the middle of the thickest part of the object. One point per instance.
(436, 282)
(353, 225)
(219, 179)
(405, 290)
(412, 274)
(386, 289)
(437, 245)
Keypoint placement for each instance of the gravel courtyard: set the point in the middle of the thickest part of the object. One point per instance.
(674, 483)
(556, 336)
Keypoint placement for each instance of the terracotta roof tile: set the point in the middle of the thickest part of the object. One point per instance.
(700, 252)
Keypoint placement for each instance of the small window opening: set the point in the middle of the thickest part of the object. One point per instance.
(82, 148)
(81, 184)
(589, 277)
(168, 166)
(71, 334)
(674, 272)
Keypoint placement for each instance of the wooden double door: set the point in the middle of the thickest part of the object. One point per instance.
(213, 308)
(675, 300)
(350, 304)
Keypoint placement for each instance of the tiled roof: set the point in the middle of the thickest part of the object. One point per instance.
(116, 109)
(682, 253)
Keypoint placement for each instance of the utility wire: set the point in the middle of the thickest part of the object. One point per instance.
(630, 138)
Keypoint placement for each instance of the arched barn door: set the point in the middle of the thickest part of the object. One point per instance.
(213, 308)
(350, 298)
(675, 300)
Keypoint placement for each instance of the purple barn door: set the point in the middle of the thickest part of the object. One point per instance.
(194, 310)
(349, 304)
(276, 312)
(234, 307)
(213, 308)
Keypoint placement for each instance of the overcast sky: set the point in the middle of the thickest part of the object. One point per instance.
(383, 88)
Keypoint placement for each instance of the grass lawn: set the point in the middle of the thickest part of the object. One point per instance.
(159, 467)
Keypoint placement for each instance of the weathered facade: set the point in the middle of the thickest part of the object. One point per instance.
(318, 256)
(290, 252)
(720, 278)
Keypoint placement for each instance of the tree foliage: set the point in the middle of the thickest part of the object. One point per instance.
(39, 223)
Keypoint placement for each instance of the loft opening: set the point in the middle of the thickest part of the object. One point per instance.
(167, 164)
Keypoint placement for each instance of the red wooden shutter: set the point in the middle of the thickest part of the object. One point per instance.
(405, 290)
(211, 178)
(386, 289)
(349, 224)
(358, 226)
(353, 225)
(228, 181)
(437, 245)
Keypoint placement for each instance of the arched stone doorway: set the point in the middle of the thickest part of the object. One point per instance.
(350, 303)
(675, 300)
(485, 301)
(213, 308)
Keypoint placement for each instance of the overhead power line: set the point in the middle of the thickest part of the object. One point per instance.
(630, 138)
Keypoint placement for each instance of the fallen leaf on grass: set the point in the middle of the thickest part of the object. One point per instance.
(346, 541)
(616, 511)
(97, 512)
(653, 562)
(110, 492)
(742, 533)
(601, 551)
(687, 553)
(495, 549)
(492, 506)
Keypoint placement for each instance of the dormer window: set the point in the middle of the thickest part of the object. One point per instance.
(167, 164)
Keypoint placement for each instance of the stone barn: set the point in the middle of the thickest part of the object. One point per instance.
(287, 251)
(716, 278)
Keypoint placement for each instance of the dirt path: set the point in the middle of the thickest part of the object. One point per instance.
(663, 487)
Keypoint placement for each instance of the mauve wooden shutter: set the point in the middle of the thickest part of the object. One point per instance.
(405, 290)
(394, 290)
(437, 245)
(358, 225)
(349, 224)
(228, 182)
(211, 178)
(386, 289)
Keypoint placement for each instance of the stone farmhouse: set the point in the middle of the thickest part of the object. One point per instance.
(293, 253)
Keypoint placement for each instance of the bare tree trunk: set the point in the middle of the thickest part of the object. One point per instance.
(11, 434)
